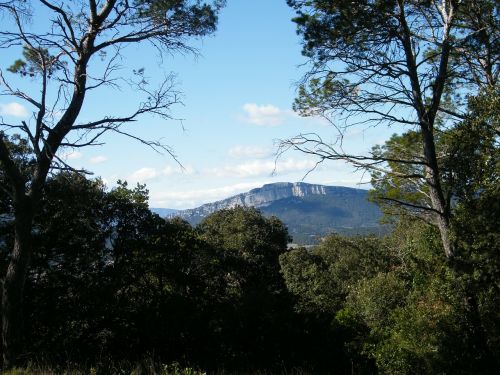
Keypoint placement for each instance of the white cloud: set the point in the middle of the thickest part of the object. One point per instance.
(98, 159)
(262, 168)
(143, 174)
(13, 109)
(250, 169)
(292, 165)
(172, 170)
(149, 173)
(358, 183)
(264, 115)
(193, 198)
(240, 151)
(270, 115)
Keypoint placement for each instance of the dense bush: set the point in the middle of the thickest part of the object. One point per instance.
(112, 284)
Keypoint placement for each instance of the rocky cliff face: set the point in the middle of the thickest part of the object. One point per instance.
(309, 211)
(268, 194)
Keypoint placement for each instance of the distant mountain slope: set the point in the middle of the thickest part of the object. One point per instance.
(310, 211)
(163, 212)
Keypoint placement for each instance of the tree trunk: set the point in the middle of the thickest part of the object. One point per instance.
(13, 285)
(437, 195)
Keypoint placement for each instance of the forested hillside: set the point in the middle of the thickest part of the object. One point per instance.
(309, 211)
(113, 286)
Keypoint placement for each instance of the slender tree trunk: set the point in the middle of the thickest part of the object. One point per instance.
(438, 200)
(443, 215)
(427, 117)
(13, 285)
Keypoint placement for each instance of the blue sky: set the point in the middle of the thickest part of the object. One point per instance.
(237, 96)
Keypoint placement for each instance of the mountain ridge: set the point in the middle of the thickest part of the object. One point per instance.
(310, 211)
(261, 197)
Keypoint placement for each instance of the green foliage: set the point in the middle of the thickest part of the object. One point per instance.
(112, 281)
(397, 62)
(176, 369)
(472, 162)
(357, 53)
(36, 61)
(22, 156)
(146, 368)
(254, 297)
(416, 311)
(395, 302)
(469, 162)
(475, 162)
(196, 18)
(375, 298)
(244, 231)
(303, 275)
(97, 271)
(405, 183)
(321, 94)
(341, 24)
(321, 278)
(354, 47)
(250, 245)
(123, 229)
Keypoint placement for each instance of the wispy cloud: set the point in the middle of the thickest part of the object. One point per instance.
(149, 173)
(98, 159)
(240, 152)
(170, 170)
(262, 168)
(264, 115)
(193, 198)
(292, 165)
(143, 174)
(13, 109)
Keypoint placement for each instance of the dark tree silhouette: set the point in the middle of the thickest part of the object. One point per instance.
(59, 59)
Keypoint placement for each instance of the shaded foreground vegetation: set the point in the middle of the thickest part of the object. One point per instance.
(114, 288)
